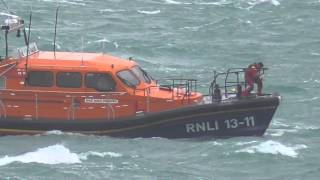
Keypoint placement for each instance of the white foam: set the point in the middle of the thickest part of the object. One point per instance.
(245, 143)
(257, 2)
(111, 10)
(54, 132)
(103, 40)
(218, 3)
(116, 45)
(149, 12)
(302, 126)
(172, 2)
(75, 2)
(85, 156)
(309, 99)
(217, 143)
(315, 54)
(279, 132)
(55, 154)
(273, 147)
(58, 132)
(277, 122)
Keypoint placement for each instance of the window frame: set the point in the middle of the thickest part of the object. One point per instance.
(132, 73)
(145, 76)
(60, 72)
(95, 88)
(52, 78)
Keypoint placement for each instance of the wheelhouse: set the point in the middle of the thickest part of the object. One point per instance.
(64, 85)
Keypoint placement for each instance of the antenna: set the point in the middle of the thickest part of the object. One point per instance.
(55, 32)
(82, 50)
(27, 58)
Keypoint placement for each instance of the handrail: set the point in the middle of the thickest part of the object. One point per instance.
(64, 92)
(7, 70)
(226, 76)
(189, 85)
(145, 90)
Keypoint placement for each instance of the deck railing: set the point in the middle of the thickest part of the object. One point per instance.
(233, 81)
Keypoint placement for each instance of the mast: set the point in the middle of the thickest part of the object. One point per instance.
(6, 39)
(28, 43)
(55, 32)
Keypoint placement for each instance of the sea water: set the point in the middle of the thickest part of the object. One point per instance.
(192, 39)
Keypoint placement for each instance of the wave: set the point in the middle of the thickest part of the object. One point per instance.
(149, 12)
(172, 2)
(279, 132)
(278, 122)
(257, 2)
(86, 155)
(55, 154)
(218, 3)
(245, 143)
(215, 143)
(275, 148)
(309, 99)
(61, 133)
(75, 2)
(104, 40)
(111, 10)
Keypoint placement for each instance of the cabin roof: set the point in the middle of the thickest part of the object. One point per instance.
(77, 61)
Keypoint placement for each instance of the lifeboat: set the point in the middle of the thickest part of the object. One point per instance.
(91, 93)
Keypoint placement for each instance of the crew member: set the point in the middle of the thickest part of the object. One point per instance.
(253, 75)
(217, 94)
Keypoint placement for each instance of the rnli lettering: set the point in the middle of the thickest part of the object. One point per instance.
(101, 101)
(234, 123)
(202, 127)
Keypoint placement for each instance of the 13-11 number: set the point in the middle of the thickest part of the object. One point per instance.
(235, 123)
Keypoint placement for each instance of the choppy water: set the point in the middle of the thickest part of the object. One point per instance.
(189, 38)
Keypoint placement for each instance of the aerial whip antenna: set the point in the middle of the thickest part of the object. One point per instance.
(28, 42)
(55, 32)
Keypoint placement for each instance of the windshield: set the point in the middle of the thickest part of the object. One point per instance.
(141, 74)
(128, 78)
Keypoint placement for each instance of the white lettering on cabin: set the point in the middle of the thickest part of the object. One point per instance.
(23, 51)
(101, 101)
(202, 127)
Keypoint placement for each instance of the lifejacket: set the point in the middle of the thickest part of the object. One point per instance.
(251, 72)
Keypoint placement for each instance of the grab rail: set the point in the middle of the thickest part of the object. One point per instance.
(65, 92)
(188, 85)
(234, 84)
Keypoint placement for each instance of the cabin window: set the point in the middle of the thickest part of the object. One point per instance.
(100, 82)
(141, 74)
(128, 78)
(69, 79)
(40, 78)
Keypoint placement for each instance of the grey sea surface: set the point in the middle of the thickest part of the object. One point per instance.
(183, 38)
